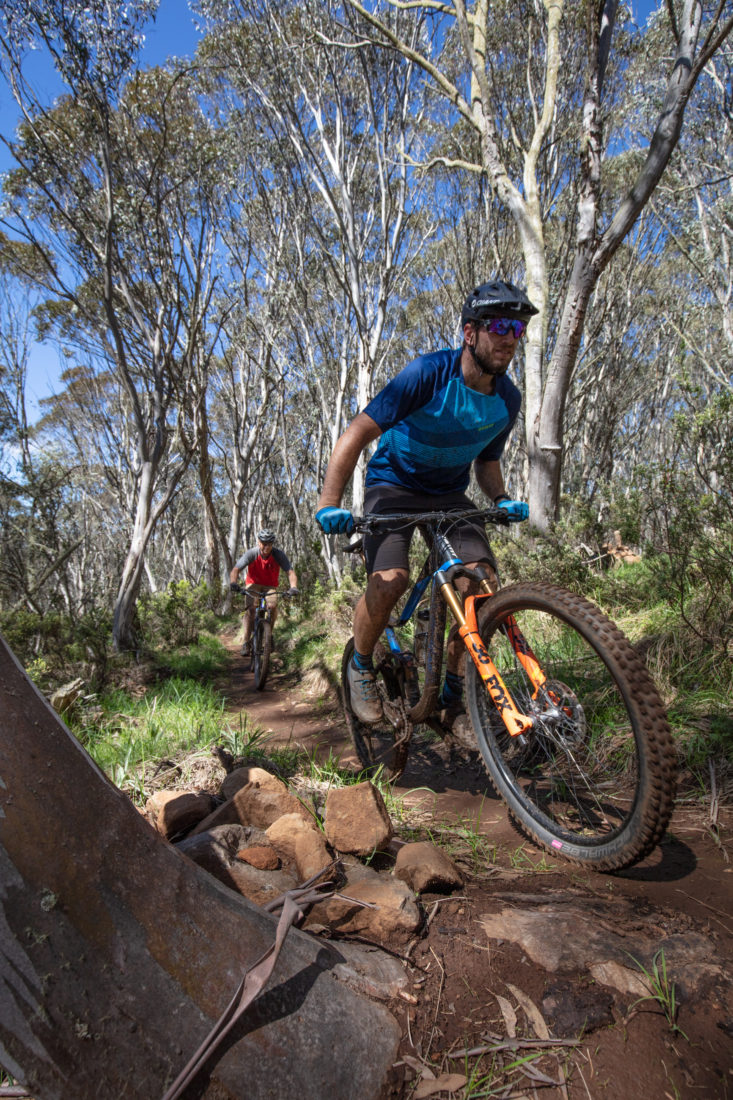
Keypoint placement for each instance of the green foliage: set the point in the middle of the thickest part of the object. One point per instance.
(54, 647)
(124, 733)
(175, 616)
(631, 587)
(201, 661)
(554, 560)
(691, 503)
(661, 989)
(316, 629)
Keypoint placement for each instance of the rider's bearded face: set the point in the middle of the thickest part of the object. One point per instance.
(493, 352)
(265, 549)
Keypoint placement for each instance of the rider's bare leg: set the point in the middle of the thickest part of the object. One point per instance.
(248, 619)
(373, 610)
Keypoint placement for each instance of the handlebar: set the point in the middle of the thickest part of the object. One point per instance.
(242, 590)
(375, 521)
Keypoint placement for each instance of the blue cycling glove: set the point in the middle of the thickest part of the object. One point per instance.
(335, 521)
(517, 510)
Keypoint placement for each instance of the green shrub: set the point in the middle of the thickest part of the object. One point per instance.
(175, 616)
(55, 647)
(690, 518)
(554, 560)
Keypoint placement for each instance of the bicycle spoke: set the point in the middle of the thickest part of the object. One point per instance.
(593, 776)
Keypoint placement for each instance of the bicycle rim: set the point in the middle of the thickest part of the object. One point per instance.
(263, 646)
(381, 748)
(594, 780)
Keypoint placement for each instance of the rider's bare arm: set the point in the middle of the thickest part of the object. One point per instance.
(489, 477)
(360, 433)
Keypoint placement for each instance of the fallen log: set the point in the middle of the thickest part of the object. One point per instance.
(118, 954)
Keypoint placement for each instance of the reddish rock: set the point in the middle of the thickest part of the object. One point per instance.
(255, 805)
(391, 917)
(311, 854)
(284, 832)
(424, 867)
(240, 777)
(356, 819)
(175, 812)
(260, 856)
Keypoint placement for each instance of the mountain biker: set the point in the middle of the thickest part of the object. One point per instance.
(441, 413)
(263, 563)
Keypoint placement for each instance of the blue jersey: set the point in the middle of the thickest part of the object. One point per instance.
(434, 425)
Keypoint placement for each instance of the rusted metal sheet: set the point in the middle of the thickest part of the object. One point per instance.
(117, 954)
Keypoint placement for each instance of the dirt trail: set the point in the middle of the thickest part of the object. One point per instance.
(556, 923)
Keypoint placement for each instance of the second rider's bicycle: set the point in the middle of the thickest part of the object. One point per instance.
(261, 632)
(568, 722)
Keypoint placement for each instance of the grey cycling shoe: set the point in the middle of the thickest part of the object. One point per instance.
(365, 701)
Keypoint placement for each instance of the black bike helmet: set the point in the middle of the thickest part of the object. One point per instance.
(266, 535)
(497, 299)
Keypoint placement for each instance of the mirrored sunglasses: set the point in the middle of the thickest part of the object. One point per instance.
(502, 325)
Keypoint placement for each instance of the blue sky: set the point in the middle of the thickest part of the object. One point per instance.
(173, 33)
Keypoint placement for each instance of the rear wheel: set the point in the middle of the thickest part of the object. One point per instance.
(594, 779)
(384, 746)
(428, 643)
(262, 647)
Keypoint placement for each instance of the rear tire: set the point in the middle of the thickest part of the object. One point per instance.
(384, 746)
(423, 699)
(594, 780)
(262, 649)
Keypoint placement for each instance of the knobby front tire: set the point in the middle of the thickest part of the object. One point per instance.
(262, 650)
(594, 780)
(378, 747)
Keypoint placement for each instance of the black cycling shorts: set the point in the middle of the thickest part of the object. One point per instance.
(392, 549)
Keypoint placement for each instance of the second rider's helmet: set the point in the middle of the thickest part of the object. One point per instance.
(497, 299)
(266, 535)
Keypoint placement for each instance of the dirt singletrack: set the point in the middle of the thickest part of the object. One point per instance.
(578, 947)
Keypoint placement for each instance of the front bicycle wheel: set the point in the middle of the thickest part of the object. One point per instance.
(384, 746)
(262, 649)
(594, 780)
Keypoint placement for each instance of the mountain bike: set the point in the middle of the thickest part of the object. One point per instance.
(261, 642)
(568, 722)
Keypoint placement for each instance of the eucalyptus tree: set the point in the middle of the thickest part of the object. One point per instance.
(90, 431)
(245, 388)
(514, 137)
(114, 200)
(694, 209)
(339, 130)
(38, 533)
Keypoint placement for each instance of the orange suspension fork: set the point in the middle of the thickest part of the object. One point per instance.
(515, 722)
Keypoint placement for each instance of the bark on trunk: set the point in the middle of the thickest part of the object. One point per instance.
(212, 534)
(546, 433)
(118, 954)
